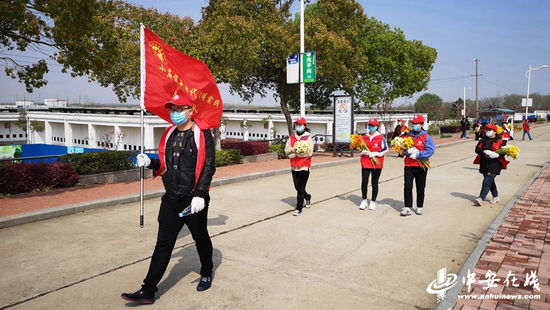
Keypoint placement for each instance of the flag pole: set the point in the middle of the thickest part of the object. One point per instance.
(142, 104)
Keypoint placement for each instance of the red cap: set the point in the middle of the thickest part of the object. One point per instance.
(178, 100)
(373, 121)
(300, 120)
(491, 127)
(400, 120)
(479, 122)
(417, 119)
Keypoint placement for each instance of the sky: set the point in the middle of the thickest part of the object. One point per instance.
(505, 35)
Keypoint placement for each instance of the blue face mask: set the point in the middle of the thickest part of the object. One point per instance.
(416, 127)
(372, 128)
(299, 128)
(178, 118)
(489, 133)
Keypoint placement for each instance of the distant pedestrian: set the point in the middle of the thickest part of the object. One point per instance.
(378, 147)
(398, 131)
(526, 129)
(490, 163)
(299, 149)
(464, 126)
(477, 129)
(505, 135)
(423, 149)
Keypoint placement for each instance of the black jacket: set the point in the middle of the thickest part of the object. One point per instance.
(487, 164)
(180, 179)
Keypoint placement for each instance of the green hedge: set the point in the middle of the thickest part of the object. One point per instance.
(228, 157)
(99, 162)
(279, 149)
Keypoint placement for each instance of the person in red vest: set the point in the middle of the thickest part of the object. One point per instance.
(490, 163)
(300, 162)
(505, 135)
(378, 147)
(424, 148)
(526, 129)
(187, 163)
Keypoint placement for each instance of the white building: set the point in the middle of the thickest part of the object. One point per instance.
(120, 128)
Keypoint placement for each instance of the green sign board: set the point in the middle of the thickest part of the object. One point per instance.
(308, 67)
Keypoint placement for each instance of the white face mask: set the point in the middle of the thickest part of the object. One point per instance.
(490, 134)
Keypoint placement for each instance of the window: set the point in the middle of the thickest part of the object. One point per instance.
(14, 135)
(20, 135)
(1, 136)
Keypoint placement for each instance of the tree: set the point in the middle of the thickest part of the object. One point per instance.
(426, 102)
(34, 126)
(96, 38)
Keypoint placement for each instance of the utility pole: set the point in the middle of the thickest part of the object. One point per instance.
(477, 88)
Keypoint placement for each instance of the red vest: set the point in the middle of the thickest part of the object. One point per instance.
(496, 146)
(299, 161)
(374, 145)
(420, 144)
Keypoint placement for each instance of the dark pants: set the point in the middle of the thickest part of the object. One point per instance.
(488, 185)
(170, 225)
(464, 135)
(365, 173)
(418, 175)
(300, 181)
(528, 134)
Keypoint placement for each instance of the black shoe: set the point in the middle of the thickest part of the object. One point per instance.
(204, 284)
(140, 296)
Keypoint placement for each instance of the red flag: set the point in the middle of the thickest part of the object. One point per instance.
(169, 72)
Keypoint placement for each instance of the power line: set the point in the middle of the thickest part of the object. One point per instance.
(501, 86)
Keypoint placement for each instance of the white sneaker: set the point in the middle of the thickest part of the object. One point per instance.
(297, 212)
(494, 200)
(406, 212)
(372, 205)
(418, 211)
(363, 204)
(478, 201)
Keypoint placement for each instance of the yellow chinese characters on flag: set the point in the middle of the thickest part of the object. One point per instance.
(169, 72)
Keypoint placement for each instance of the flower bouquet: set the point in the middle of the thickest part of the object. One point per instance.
(509, 150)
(402, 144)
(357, 143)
(302, 147)
(500, 130)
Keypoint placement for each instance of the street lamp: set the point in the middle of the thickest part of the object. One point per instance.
(528, 76)
(464, 108)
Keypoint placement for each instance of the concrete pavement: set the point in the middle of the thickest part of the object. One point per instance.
(333, 256)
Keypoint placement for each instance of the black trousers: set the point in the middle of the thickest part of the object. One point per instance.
(365, 173)
(300, 181)
(418, 175)
(170, 225)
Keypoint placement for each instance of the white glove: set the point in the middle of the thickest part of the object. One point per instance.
(143, 160)
(373, 154)
(413, 150)
(197, 204)
(414, 156)
(365, 153)
(291, 155)
(491, 154)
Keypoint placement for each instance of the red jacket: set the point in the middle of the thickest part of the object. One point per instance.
(299, 161)
(420, 144)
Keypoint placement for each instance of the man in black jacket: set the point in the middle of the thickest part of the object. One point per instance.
(187, 165)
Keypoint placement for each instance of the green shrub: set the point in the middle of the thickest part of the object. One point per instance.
(228, 157)
(279, 149)
(99, 162)
(31, 177)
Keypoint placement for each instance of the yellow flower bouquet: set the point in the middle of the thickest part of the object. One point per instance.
(302, 147)
(357, 143)
(402, 144)
(509, 150)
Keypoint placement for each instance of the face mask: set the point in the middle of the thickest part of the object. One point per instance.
(299, 128)
(490, 134)
(372, 128)
(416, 127)
(178, 118)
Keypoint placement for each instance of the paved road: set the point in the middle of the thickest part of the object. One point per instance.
(333, 256)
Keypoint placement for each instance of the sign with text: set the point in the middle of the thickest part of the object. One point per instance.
(308, 67)
(343, 118)
(293, 69)
(10, 151)
(526, 102)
